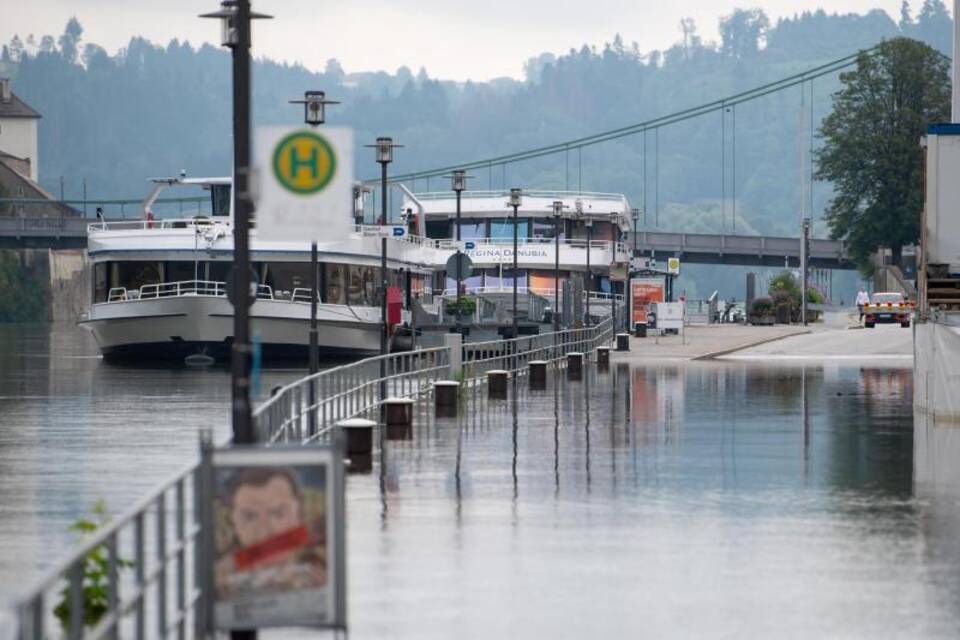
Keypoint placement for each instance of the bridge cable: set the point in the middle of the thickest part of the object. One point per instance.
(672, 118)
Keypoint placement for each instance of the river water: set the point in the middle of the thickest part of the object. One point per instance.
(669, 500)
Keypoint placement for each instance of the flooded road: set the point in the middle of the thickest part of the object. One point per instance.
(676, 499)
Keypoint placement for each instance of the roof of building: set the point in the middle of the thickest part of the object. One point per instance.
(4, 154)
(17, 108)
(17, 185)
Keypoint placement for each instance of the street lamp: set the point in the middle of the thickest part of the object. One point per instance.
(314, 114)
(458, 183)
(384, 154)
(588, 221)
(614, 240)
(516, 196)
(235, 16)
(558, 208)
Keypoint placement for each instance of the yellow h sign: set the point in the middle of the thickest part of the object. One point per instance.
(304, 162)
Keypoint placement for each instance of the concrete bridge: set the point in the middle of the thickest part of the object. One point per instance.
(692, 248)
(766, 251)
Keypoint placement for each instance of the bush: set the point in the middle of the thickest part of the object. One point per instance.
(761, 306)
(814, 296)
(468, 306)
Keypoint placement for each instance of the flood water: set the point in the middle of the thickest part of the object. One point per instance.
(669, 500)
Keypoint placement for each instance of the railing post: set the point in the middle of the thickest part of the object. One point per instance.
(454, 344)
(162, 565)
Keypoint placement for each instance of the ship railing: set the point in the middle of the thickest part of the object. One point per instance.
(505, 193)
(180, 288)
(575, 243)
(200, 222)
(346, 392)
(515, 355)
(601, 296)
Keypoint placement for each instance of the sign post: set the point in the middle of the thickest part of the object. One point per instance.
(274, 537)
(306, 181)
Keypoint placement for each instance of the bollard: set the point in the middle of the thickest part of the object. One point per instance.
(358, 442)
(497, 384)
(398, 412)
(623, 342)
(445, 394)
(640, 330)
(538, 374)
(603, 358)
(574, 366)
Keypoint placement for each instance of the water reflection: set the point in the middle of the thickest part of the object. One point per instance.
(697, 499)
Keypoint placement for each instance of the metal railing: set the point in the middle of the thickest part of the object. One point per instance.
(346, 392)
(515, 354)
(184, 288)
(148, 584)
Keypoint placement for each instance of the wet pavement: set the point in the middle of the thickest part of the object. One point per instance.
(661, 499)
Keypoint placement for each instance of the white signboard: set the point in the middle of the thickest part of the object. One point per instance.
(305, 183)
(277, 537)
(670, 315)
(673, 265)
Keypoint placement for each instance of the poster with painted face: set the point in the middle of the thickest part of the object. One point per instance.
(273, 534)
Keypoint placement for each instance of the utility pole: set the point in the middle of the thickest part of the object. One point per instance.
(515, 200)
(804, 266)
(235, 16)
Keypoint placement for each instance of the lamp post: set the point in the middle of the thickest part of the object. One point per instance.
(458, 183)
(628, 294)
(516, 196)
(314, 114)
(558, 208)
(384, 152)
(615, 240)
(588, 222)
(235, 16)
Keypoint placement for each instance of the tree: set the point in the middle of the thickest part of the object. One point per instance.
(742, 31)
(70, 40)
(871, 149)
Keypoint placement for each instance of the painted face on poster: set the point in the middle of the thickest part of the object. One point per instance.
(273, 539)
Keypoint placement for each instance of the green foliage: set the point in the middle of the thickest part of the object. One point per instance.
(871, 149)
(786, 282)
(761, 306)
(468, 306)
(443, 122)
(22, 296)
(96, 574)
(814, 296)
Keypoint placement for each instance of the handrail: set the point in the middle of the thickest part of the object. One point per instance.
(538, 193)
(345, 392)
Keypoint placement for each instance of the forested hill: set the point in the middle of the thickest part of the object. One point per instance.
(153, 110)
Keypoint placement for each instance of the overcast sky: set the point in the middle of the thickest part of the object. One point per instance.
(453, 40)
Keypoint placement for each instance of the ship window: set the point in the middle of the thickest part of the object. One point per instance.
(438, 229)
(220, 199)
(183, 271)
(502, 228)
(133, 275)
(471, 229)
(336, 277)
(362, 285)
(544, 228)
(286, 276)
(100, 288)
(218, 271)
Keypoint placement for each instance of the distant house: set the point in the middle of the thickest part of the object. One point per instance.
(18, 128)
(18, 159)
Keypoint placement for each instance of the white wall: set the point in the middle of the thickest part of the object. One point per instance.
(18, 137)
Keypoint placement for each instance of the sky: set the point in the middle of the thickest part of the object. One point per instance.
(452, 40)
